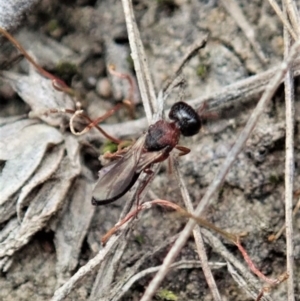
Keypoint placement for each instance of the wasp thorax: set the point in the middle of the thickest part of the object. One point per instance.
(160, 135)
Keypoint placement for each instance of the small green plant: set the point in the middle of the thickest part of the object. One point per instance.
(165, 294)
(201, 71)
(275, 179)
(52, 25)
(130, 62)
(109, 147)
(140, 239)
(65, 70)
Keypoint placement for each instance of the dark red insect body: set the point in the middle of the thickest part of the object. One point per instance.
(162, 137)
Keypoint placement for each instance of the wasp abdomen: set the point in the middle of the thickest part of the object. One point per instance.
(186, 118)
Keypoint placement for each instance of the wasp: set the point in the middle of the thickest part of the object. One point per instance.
(116, 178)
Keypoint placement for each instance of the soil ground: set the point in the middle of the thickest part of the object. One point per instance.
(87, 35)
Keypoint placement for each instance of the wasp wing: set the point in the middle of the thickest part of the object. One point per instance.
(118, 177)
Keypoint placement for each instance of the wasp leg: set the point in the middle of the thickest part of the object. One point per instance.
(183, 150)
(149, 172)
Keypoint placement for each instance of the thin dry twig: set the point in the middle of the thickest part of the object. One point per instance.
(65, 289)
(289, 165)
(140, 62)
(219, 179)
(250, 283)
(234, 238)
(184, 264)
(237, 14)
(198, 237)
(254, 269)
(293, 14)
(107, 271)
(282, 229)
(121, 287)
(243, 89)
(283, 19)
(57, 83)
(188, 55)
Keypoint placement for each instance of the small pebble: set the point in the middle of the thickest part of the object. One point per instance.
(103, 88)
(92, 81)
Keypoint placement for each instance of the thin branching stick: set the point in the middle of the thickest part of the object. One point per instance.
(140, 62)
(65, 289)
(289, 166)
(283, 19)
(188, 55)
(237, 14)
(282, 229)
(198, 238)
(188, 264)
(119, 289)
(293, 14)
(251, 284)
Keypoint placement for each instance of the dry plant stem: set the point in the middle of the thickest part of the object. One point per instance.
(241, 90)
(188, 264)
(260, 295)
(147, 205)
(289, 169)
(253, 268)
(140, 62)
(73, 131)
(252, 285)
(233, 238)
(45, 73)
(282, 229)
(198, 238)
(219, 179)
(92, 123)
(267, 289)
(188, 55)
(107, 271)
(237, 14)
(283, 19)
(113, 230)
(236, 93)
(292, 12)
(121, 287)
(57, 83)
(128, 77)
(64, 290)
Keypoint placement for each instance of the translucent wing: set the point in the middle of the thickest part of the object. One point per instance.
(117, 178)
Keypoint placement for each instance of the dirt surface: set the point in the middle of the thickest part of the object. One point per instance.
(77, 41)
